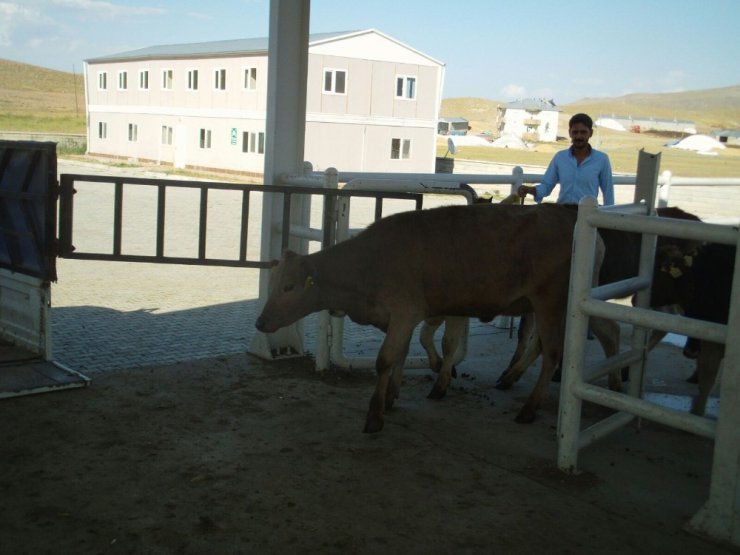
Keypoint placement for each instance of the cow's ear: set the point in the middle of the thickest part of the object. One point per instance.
(287, 253)
(273, 263)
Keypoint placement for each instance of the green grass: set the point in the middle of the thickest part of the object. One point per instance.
(43, 123)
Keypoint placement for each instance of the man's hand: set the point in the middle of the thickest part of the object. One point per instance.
(525, 190)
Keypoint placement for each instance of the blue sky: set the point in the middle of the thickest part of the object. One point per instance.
(502, 50)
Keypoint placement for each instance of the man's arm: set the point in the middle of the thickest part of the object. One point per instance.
(606, 182)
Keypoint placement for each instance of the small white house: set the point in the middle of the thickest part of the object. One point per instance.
(372, 104)
(531, 119)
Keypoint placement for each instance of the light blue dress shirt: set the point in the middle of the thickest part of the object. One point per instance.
(577, 181)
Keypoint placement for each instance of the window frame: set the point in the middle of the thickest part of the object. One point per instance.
(253, 142)
(122, 80)
(403, 150)
(102, 80)
(168, 79)
(333, 81)
(219, 79)
(204, 138)
(102, 130)
(167, 135)
(404, 81)
(192, 79)
(133, 132)
(143, 79)
(248, 70)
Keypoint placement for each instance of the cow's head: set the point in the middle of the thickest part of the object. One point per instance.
(673, 276)
(292, 293)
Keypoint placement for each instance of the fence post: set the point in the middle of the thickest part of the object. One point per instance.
(517, 181)
(665, 189)
(324, 328)
(576, 330)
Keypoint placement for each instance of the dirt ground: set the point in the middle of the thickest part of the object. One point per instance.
(236, 455)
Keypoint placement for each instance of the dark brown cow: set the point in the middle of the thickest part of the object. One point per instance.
(700, 282)
(415, 265)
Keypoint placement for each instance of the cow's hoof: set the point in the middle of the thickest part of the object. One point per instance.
(437, 392)
(525, 416)
(389, 400)
(503, 385)
(454, 372)
(625, 374)
(373, 425)
(693, 378)
(557, 376)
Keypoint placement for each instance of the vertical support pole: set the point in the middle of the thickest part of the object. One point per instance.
(648, 166)
(324, 335)
(576, 330)
(284, 145)
(117, 217)
(161, 212)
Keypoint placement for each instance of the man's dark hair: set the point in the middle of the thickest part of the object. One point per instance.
(585, 119)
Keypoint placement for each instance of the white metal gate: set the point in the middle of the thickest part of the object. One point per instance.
(720, 516)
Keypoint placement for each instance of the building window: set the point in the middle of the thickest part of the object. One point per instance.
(250, 78)
(335, 81)
(122, 80)
(253, 142)
(166, 135)
(192, 79)
(102, 130)
(400, 149)
(102, 80)
(144, 79)
(205, 138)
(133, 132)
(405, 87)
(167, 79)
(220, 79)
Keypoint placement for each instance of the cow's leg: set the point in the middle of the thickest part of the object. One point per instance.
(550, 326)
(426, 338)
(527, 350)
(454, 329)
(389, 367)
(607, 332)
(707, 365)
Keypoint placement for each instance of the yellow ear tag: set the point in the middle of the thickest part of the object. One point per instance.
(675, 272)
(688, 260)
(309, 282)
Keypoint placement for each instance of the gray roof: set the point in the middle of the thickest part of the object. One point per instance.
(236, 47)
(533, 104)
(646, 118)
(727, 133)
(454, 120)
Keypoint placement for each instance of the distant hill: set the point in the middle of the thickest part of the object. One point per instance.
(27, 89)
(710, 109)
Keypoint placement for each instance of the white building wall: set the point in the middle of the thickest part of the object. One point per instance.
(517, 120)
(351, 131)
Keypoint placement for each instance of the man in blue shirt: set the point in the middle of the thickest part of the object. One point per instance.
(581, 170)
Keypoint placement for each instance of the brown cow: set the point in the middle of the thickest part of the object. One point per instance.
(414, 265)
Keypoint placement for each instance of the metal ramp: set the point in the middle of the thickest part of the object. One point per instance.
(28, 192)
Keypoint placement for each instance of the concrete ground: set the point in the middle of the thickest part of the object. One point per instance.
(185, 444)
